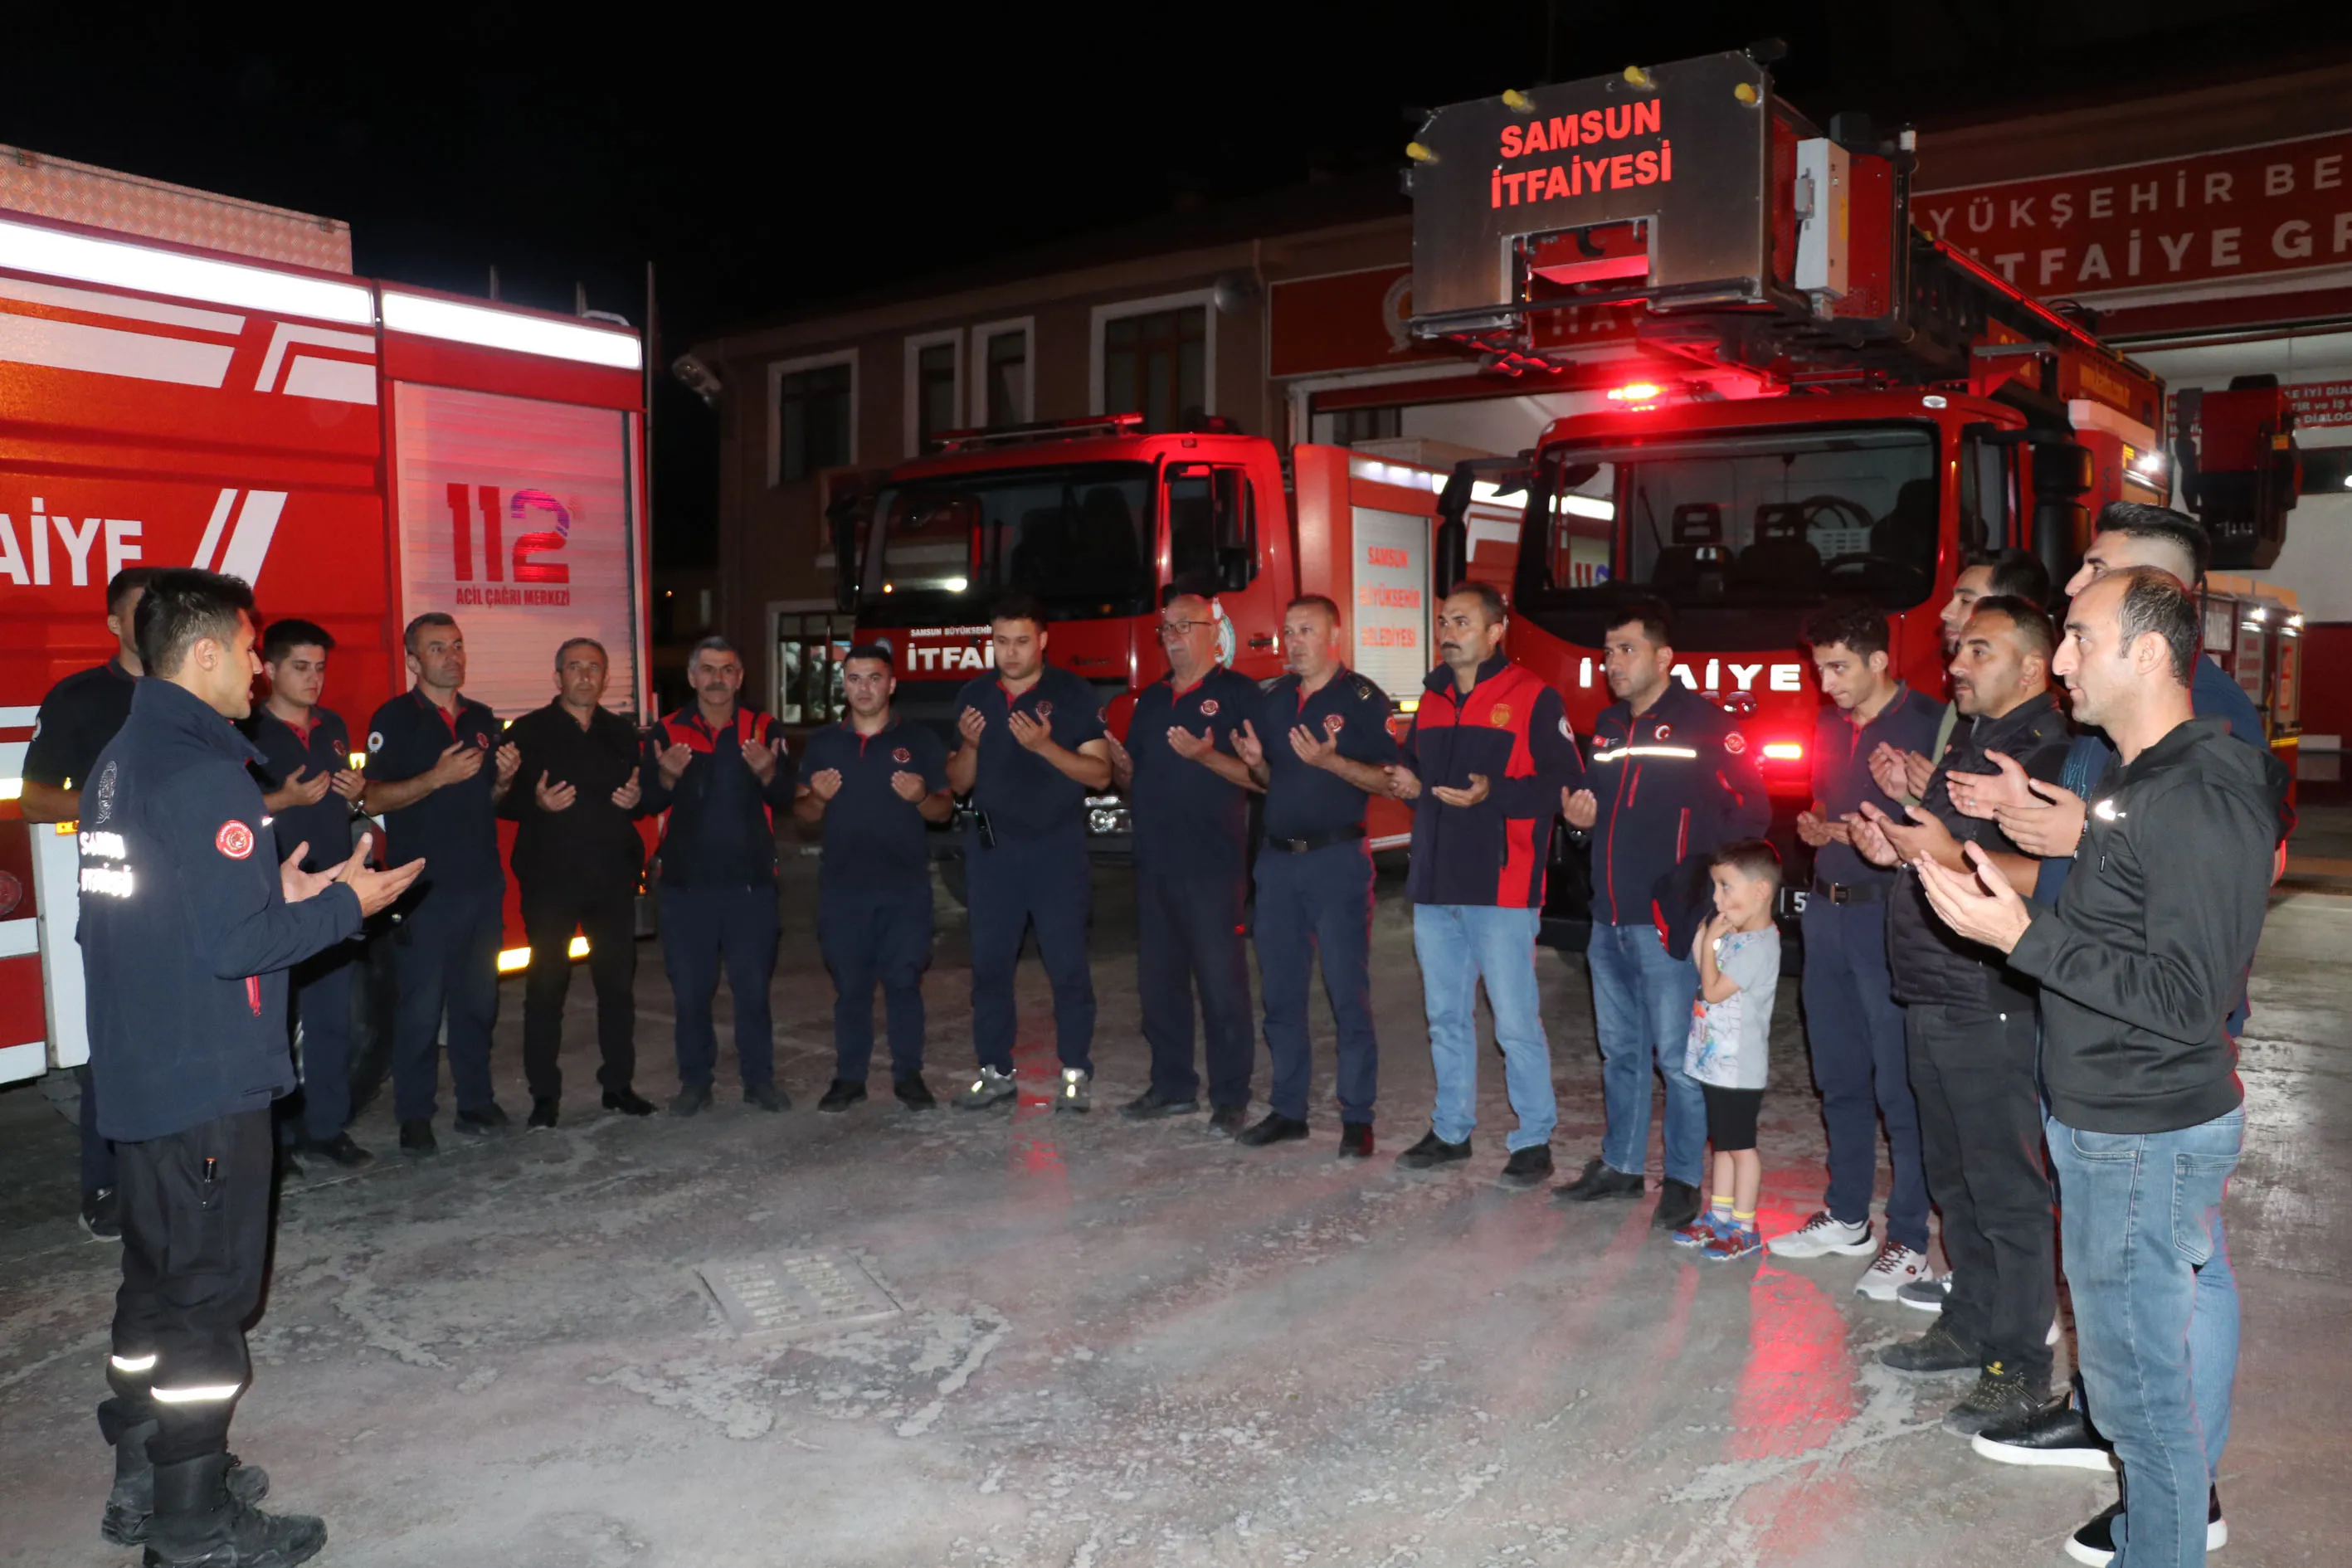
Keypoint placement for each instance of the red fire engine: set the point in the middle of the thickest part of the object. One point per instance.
(359, 451)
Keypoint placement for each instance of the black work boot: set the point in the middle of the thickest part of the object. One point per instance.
(128, 1506)
(199, 1524)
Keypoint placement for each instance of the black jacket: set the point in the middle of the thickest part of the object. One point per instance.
(592, 843)
(185, 935)
(1928, 965)
(2149, 944)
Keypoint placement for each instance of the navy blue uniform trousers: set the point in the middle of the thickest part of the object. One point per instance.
(1023, 881)
(446, 958)
(322, 1002)
(701, 926)
(1862, 1067)
(1318, 902)
(870, 936)
(1189, 935)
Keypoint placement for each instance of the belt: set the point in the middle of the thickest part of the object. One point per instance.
(1313, 841)
(1850, 893)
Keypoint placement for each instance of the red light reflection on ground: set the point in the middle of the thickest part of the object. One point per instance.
(1795, 1391)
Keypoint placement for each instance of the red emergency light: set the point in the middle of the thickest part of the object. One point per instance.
(1636, 393)
(1784, 750)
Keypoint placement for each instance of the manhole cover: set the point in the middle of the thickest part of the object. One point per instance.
(796, 1293)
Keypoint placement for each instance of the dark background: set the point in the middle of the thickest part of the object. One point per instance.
(763, 165)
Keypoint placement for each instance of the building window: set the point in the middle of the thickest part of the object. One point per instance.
(810, 649)
(1156, 364)
(1003, 378)
(934, 402)
(813, 408)
(1350, 426)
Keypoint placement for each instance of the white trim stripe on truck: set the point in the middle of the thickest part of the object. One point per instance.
(26, 248)
(18, 717)
(287, 332)
(249, 542)
(17, 1063)
(20, 936)
(148, 356)
(491, 329)
(121, 305)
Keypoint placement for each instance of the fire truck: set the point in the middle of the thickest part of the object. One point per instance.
(1809, 399)
(189, 380)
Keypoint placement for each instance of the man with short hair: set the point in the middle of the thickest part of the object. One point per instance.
(77, 719)
(311, 790)
(1030, 748)
(1325, 753)
(719, 771)
(425, 778)
(2140, 965)
(1191, 794)
(189, 921)
(875, 783)
(1672, 778)
(578, 858)
(1969, 1026)
(1488, 761)
(1853, 1026)
(1984, 574)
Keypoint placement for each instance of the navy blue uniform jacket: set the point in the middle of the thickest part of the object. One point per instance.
(1674, 784)
(185, 932)
(1512, 729)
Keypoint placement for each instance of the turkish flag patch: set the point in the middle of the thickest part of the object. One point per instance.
(235, 840)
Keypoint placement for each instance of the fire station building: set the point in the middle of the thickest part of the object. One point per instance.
(2210, 232)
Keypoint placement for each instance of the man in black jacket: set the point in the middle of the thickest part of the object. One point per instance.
(2140, 965)
(1969, 1027)
(577, 856)
(188, 926)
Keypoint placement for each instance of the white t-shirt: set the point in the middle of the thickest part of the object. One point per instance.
(1728, 1038)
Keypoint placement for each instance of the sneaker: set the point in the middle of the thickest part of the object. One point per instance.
(1602, 1179)
(1151, 1105)
(767, 1097)
(1355, 1140)
(1078, 1090)
(490, 1118)
(1227, 1121)
(988, 1087)
(1895, 1267)
(1928, 1293)
(690, 1100)
(2002, 1392)
(1732, 1243)
(543, 1115)
(1701, 1231)
(913, 1092)
(1529, 1167)
(1273, 1127)
(101, 1214)
(1433, 1150)
(628, 1102)
(841, 1097)
(1938, 1350)
(339, 1149)
(1822, 1234)
(2054, 1432)
(416, 1139)
(2096, 1543)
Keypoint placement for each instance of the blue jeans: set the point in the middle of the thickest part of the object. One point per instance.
(2155, 1316)
(1642, 997)
(1457, 944)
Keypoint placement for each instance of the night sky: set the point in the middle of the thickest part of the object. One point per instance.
(820, 151)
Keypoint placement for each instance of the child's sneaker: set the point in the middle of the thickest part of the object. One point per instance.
(1700, 1232)
(1733, 1243)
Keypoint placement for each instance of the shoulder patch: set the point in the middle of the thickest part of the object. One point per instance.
(1565, 732)
(375, 741)
(1363, 689)
(1734, 743)
(234, 839)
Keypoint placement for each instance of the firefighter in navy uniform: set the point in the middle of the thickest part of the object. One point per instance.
(1031, 749)
(77, 718)
(721, 772)
(1672, 779)
(437, 769)
(874, 783)
(1191, 794)
(188, 926)
(1322, 755)
(309, 789)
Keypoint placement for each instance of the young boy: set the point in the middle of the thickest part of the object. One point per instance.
(1739, 956)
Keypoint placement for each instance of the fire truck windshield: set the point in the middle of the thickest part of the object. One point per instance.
(1763, 519)
(942, 546)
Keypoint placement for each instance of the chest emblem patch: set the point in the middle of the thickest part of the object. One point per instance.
(235, 839)
(1499, 716)
(1208, 708)
(1734, 743)
(1044, 711)
(1333, 724)
(902, 755)
(1663, 732)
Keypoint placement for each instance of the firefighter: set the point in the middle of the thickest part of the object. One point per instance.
(1673, 778)
(1489, 758)
(77, 718)
(577, 856)
(721, 772)
(189, 924)
(437, 769)
(310, 790)
(1032, 750)
(1323, 756)
(874, 783)
(1191, 796)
